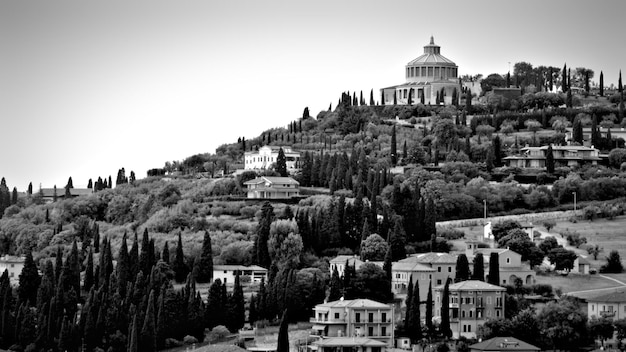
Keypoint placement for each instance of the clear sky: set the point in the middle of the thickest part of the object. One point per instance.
(88, 87)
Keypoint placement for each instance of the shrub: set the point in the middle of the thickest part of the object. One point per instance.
(574, 238)
(188, 340)
(451, 234)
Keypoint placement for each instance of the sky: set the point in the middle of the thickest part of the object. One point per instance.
(89, 87)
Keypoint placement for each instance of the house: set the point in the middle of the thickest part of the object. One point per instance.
(339, 263)
(404, 271)
(443, 264)
(581, 265)
(610, 305)
(269, 187)
(227, 273)
(564, 155)
(509, 262)
(263, 158)
(471, 304)
(503, 344)
(349, 344)
(49, 195)
(13, 265)
(357, 318)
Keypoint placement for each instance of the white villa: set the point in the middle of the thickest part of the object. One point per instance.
(565, 155)
(13, 265)
(267, 155)
(227, 273)
(269, 187)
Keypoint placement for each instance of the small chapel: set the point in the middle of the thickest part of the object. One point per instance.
(430, 79)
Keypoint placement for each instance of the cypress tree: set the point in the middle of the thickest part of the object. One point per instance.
(414, 324)
(408, 299)
(430, 219)
(444, 327)
(397, 241)
(89, 279)
(144, 260)
(497, 151)
(237, 304)
(65, 337)
(58, 267)
(429, 310)
(133, 259)
(564, 87)
(478, 272)
(595, 140)
(335, 288)
(372, 103)
(462, 268)
(180, 268)
(577, 131)
(29, 281)
(263, 234)
(601, 84)
(550, 160)
(283, 334)
(148, 332)
(205, 273)
(123, 266)
(133, 341)
(394, 156)
(387, 268)
(494, 269)
(281, 163)
(395, 98)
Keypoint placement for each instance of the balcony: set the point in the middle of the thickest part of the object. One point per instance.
(607, 314)
(327, 321)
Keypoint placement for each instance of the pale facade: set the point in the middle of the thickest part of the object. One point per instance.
(471, 304)
(611, 306)
(227, 273)
(13, 265)
(565, 155)
(267, 187)
(358, 318)
(509, 262)
(267, 155)
(443, 265)
(403, 272)
(339, 262)
(427, 76)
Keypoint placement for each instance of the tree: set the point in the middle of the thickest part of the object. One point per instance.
(595, 251)
(563, 324)
(444, 327)
(601, 329)
(371, 282)
(613, 263)
(414, 320)
(561, 258)
(281, 163)
(29, 281)
(179, 266)
(263, 233)
(283, 334)
(429, 310)
(394, 152)
(494, 269)
(373, 248)
(550, 160)
(577, 131)
(205, 265)
(305, 113)
(397, 241)
(237, 306)
(462, 268)
(601, 84)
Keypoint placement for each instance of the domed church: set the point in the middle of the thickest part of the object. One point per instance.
(428, 77)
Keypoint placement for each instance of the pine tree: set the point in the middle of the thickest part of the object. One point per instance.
(478, 272)
(550, 160)
(444, 327)
(180, 268)
(494, 269)
(29, 281)
(205, 273)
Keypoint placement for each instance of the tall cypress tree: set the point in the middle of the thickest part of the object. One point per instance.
(408, 299)
(263, 234)
(494, 269)
(550, 160)
(29, 281)
(462, 268)
(394, 152)
(444, 327)
(564, 87)
(165, 255)
(148, 332)
(205, 272)
(89, 279)
(123, 266)
(133, 341)
(478, 272)
(144, 256)
(237, 306)
(595, 136)
(335, 288)
(283, 334)
(134, 257)
(179, 266)
(281, 163)
(414, 324)
(497, 152)
(429, 310)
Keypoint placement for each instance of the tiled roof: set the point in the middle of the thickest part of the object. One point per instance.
(503, 344)
(613, 297)
(474, 285)
(432, 257)
(238, 267)
(272, 180)
(347, 341)
(431, 59)
(408, 266)
(341, 259)
(354, 303)
(49, 192)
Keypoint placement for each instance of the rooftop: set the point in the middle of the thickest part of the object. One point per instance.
(503, 343)
(272, 180)
(432, 55)
(613, 297)
(473, 285)
(238, 267)
(432, 257)
(349, 342)
(354, 303)
(408, 266)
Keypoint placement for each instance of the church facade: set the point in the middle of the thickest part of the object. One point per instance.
(430, 78)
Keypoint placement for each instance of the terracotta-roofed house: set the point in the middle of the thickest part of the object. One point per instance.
(340, 344)
(269, 187)
(471, 304)
(610, 305)
(503, 344)
(565, 155)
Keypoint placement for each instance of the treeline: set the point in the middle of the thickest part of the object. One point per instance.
(124, 309)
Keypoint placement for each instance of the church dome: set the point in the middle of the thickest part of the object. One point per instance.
(431, 66)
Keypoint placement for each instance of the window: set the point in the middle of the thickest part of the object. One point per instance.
(370, 317)
(497, 314)
(438, 269)
(471, 314)
(383, 331)
(357, 317)
(508, 260)
(469, 328)
(383, 317)
(370, 331)
(593, 306)
(488, 313)
(462, 314)
(439, 282)
(479, 314)
(336, 315)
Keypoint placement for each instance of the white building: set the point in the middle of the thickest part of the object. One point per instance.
(267, 155)
(227, 273)
(269, 187)
(13, 265)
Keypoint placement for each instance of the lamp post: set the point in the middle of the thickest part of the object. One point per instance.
(485, 211)
(574, 193)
